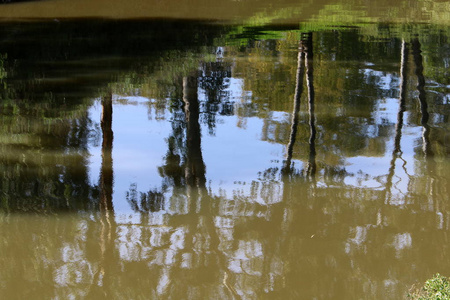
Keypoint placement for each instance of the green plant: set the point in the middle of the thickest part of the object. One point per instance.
(436, 288)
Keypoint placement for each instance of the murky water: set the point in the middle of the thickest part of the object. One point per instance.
(154, 159)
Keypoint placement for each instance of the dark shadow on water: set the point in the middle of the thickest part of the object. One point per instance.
(5, 2)
(72, 59)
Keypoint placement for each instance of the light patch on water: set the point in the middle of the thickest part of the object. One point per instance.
(360, 235)
(280, 116)
(402, 241)
(139, 146)
(386, 111)
(240, 150)
(177, 239)
(131, 100)
(383, 81)
(163, 282)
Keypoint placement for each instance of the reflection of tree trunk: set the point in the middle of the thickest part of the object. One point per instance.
(417, 53)
(401, 109)
(430, 163)
(298, 93)
(195, 168)
(107, 260)
(311, 171)
(106, 176)
(207, 218)
(201, 204)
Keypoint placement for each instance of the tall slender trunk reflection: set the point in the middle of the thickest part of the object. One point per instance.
(417, 53)
(401, 109)
(295, 117)
(106, 176)
(195, 168)
(311, 170)
(426, 146)
(108, 225)
(283, 213)
(108, 261)
(201, 202)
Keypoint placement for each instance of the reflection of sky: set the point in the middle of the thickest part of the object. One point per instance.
(369, 171)
(236, 155)
(382, 80)
(234, 90)
(375, 168)
(233, 157)
(138, 149)
(386, 111)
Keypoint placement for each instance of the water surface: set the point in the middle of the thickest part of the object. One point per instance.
(190, 159)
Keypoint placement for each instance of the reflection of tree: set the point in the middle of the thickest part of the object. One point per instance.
(172, 171)
(214, 81)
(183, 162)
(431, 182)
(44, 101)
(305, 54)
(44, 157)
(401, 109)
(184, 186)
(151, 201)
(422, 97)
(199, 231)
(295, 114)
(311, 169)
(107, 260)
(195, 168)
(106, 176)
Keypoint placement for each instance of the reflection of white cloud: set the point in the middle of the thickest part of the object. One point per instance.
(247, 258)
(62, 275)
(360, 235)
(446, 98)
(71, 254)
(390, 283)
(163, 282)
(280, 117)
(402, 241)
(138, 149)
(170, 257)
(235, 266)
(386, 111)
(383, 81)
(358, 240)
(131, 100)
(440, 217)
(372, 172)
(74, 270)
(242, 156)
(177, 239)
(186, 260)
(223, 223)
(361, 165)
(137, 242)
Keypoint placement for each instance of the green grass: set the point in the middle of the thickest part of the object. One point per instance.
(436, 288)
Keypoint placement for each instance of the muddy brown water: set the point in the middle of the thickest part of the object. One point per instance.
(158, 154)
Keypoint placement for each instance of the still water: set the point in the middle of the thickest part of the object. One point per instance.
(167, 159)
